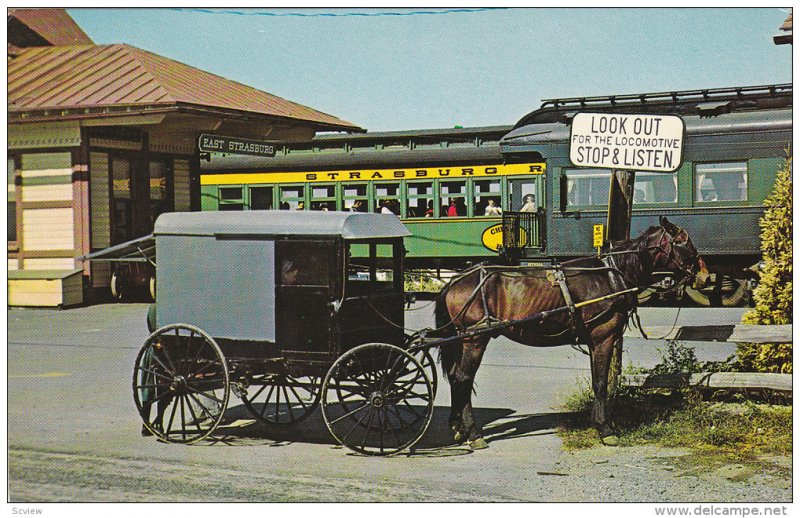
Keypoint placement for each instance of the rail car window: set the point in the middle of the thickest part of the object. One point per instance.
(230, 198)
(587, 186)
(260, 198)
(721, 182)
(487, 198)
(419, 200)
(323, 197)
(655, 188)
(292, 197)
(454, 198)
(388, 196)
(522, 194)
(355, 198)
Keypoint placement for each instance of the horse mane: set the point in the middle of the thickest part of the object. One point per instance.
(636, 265)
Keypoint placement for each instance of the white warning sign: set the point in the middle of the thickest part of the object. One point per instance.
(627, 141)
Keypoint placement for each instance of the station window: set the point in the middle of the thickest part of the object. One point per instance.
(12, 203)
(230, 198)
(487, 194)
(292, 197)
(159, 201)
(454, 198)
(323, 197)
(260, 198)
(388, 196)
(587, 186)
(355, 198)
(655, 187)
(720, 182)
(419, 200)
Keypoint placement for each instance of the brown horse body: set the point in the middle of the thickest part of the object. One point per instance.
(600, 290)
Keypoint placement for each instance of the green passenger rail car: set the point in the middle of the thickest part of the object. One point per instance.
(449, 187)
(452, 188)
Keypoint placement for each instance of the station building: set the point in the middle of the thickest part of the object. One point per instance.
(102, 139)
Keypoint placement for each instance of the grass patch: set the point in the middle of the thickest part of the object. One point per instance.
(726, 430)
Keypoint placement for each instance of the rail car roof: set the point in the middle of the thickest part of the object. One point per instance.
(259, 223)
(754, 121)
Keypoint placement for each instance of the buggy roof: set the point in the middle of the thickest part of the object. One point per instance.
(348, 225)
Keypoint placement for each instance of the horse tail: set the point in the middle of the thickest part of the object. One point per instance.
(444, 322)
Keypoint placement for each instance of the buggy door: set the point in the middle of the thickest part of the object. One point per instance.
(372, 310)
(305, 286)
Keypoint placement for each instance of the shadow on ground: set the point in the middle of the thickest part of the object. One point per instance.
(239, 428)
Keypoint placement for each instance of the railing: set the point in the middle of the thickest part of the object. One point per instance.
(524, 230)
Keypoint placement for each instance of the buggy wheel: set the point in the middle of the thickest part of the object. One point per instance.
(425, 359)
(282, 399)
(180, 384)
(377, 399)
(117, 286)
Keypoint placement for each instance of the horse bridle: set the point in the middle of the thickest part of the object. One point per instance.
(671, 255)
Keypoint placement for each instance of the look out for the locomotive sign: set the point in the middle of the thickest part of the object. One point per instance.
(627, 141)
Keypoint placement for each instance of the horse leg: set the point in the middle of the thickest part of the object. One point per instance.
(451, 359)
(602, 351)
(461, 384)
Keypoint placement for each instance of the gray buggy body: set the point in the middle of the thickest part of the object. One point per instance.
(288, 311)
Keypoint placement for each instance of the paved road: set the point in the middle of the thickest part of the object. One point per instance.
(74, 433)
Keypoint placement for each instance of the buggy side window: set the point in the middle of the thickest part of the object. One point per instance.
(304, 263)
(374, 267)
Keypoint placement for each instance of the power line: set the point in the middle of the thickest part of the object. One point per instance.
(335, 14)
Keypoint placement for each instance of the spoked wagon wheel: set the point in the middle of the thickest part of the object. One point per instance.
(180, 384)
(424, 357)
(377, 399)
(282, 399)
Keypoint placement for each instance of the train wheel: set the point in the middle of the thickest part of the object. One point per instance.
(645, 296)
(282, 399)
(725, 291)
(180, 384)
(377, 399)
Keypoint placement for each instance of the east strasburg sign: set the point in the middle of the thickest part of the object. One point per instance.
(629, 141)
(238, 146)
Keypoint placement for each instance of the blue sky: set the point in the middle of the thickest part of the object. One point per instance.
(474, 68)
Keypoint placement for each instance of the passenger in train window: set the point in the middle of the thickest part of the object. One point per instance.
(452, 211)
(530, 204)
(492, 209)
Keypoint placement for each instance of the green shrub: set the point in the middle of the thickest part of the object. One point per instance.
(773, 296)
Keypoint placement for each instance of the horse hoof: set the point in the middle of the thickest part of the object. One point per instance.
(478, 444)
(459, 437)
(610, 440)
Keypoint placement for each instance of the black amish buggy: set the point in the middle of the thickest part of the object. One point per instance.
(294, 310)
(285, 310)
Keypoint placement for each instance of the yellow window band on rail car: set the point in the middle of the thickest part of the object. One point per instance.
(354, 175)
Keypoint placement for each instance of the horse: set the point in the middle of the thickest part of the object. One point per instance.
(582, 301)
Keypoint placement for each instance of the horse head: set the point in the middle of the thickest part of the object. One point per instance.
(673, 250)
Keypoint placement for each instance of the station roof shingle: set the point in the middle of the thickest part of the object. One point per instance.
(43, 80)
